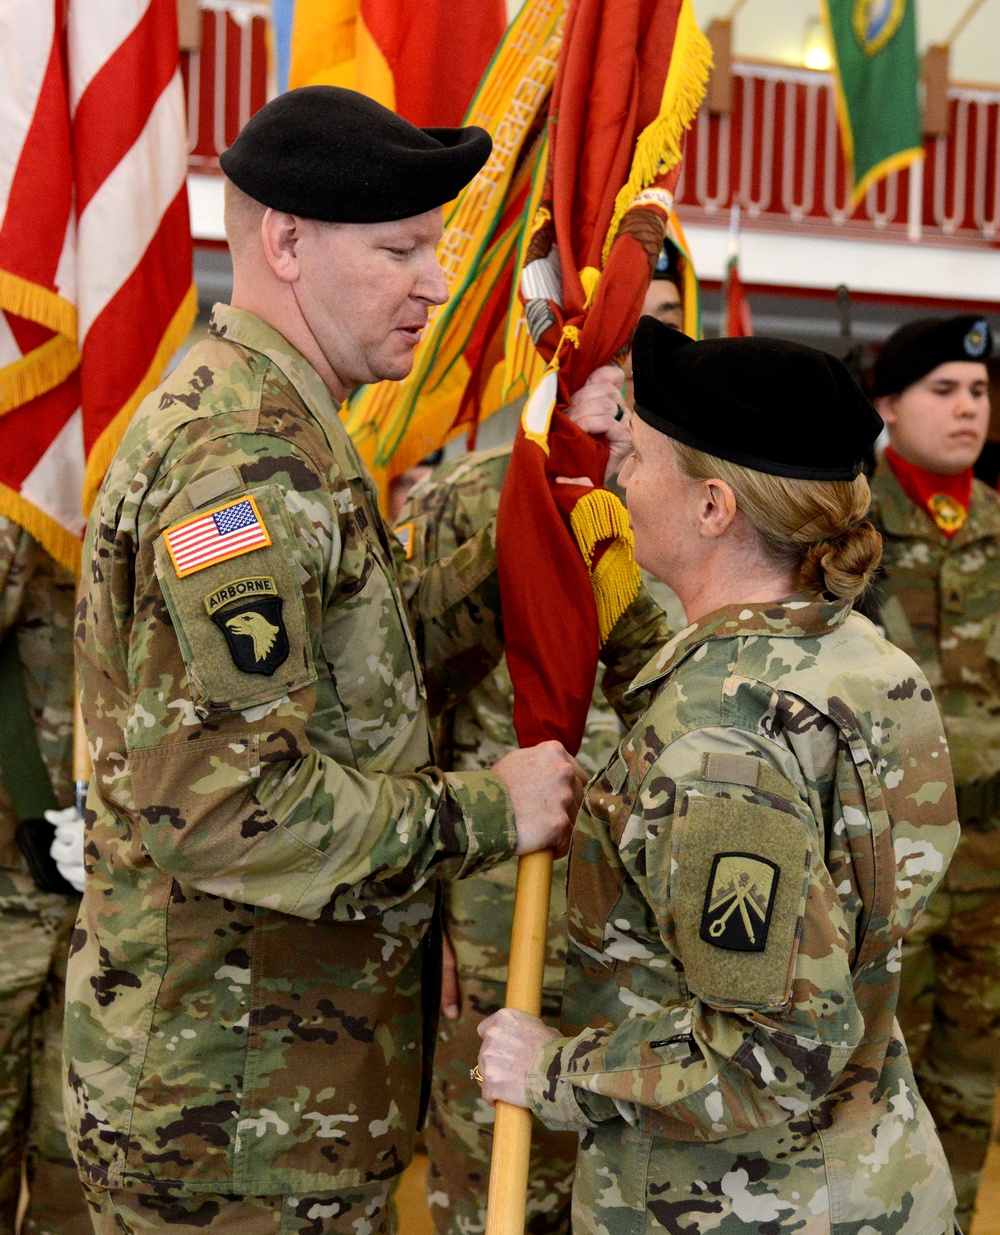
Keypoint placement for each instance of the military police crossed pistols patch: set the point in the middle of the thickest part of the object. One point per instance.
(739, 902)
(223, 533)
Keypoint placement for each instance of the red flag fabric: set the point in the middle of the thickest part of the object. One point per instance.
(737, 321)
(630, 78)
(460, 366)
(422, 59)
(96, 290)
(437, 51)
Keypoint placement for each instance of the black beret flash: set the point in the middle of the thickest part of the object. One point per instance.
(912, 351)
(768, 405)
(323, 152)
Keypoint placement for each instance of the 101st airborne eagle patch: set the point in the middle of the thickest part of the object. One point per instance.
(739, 902)
(248, 612)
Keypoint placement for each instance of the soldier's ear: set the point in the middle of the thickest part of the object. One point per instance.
(887, 407)
(280, 234)
(717, 508)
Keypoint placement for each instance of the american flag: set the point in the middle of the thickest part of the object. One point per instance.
(223, 533)
(96, 291)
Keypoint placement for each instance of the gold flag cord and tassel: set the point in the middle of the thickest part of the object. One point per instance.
(598, 518)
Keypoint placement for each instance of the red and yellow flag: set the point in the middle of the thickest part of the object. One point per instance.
(421, 58)
(630, 79)
(458, 370)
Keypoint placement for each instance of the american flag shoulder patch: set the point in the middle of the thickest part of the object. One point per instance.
(227, 531)
(404, 535)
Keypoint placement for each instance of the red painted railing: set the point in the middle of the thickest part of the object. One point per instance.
(778, 154)
(226, 79)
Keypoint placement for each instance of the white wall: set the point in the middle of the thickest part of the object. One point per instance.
(774, 30)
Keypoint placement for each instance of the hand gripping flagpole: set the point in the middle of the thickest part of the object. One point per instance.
(507, 1202)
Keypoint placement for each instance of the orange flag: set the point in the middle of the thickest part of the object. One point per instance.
(421, 58)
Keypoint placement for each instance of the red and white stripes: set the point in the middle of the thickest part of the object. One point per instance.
(95, 244)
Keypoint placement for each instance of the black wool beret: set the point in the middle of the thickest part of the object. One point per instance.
(764, 404)
(913, 350)
(326, 153)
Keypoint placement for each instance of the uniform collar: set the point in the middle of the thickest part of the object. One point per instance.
(246, 329)
(899, 516)
(803, 616)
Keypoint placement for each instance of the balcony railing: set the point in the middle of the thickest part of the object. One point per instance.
(778, 154)
(226, 79)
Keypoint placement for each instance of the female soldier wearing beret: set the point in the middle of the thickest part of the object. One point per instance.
(744, 870)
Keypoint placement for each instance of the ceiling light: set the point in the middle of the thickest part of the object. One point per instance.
(816, 46)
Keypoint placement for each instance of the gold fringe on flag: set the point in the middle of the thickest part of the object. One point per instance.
(37, 372)
(103, 450)
(37, 304)
(52, 536)
(45, 367)
(600, 516)
(659, 147)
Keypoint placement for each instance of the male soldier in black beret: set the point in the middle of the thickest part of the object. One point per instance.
(252, 993)
(939, 600)
(663, 299)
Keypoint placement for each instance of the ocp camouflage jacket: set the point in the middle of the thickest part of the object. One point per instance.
(741, 877)
(36, 609)
(939, 600)
(264, 830)
(443, 513)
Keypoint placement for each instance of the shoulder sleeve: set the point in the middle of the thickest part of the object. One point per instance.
(735, 880)
(230, 792)
(450, 577)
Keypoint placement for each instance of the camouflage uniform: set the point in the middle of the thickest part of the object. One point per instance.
(252, 986)
(36, 600)
(939, 599)
(450, 507)
(741, 878)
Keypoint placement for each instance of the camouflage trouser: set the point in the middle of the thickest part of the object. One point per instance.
(949, 1010)
(360, 1211)
(34, 941)
(459, 1132)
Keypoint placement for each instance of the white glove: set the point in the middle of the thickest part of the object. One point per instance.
(67, 847)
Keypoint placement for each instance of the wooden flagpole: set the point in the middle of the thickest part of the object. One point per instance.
(81, 756)
(512, 1131)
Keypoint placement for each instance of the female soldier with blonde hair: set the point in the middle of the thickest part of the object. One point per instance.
(745, 868)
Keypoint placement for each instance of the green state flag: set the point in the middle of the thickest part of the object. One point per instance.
(875, 47)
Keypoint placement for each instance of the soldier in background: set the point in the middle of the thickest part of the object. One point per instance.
(444, 512)
(938, 598)
(664, 299)
(36, 619)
